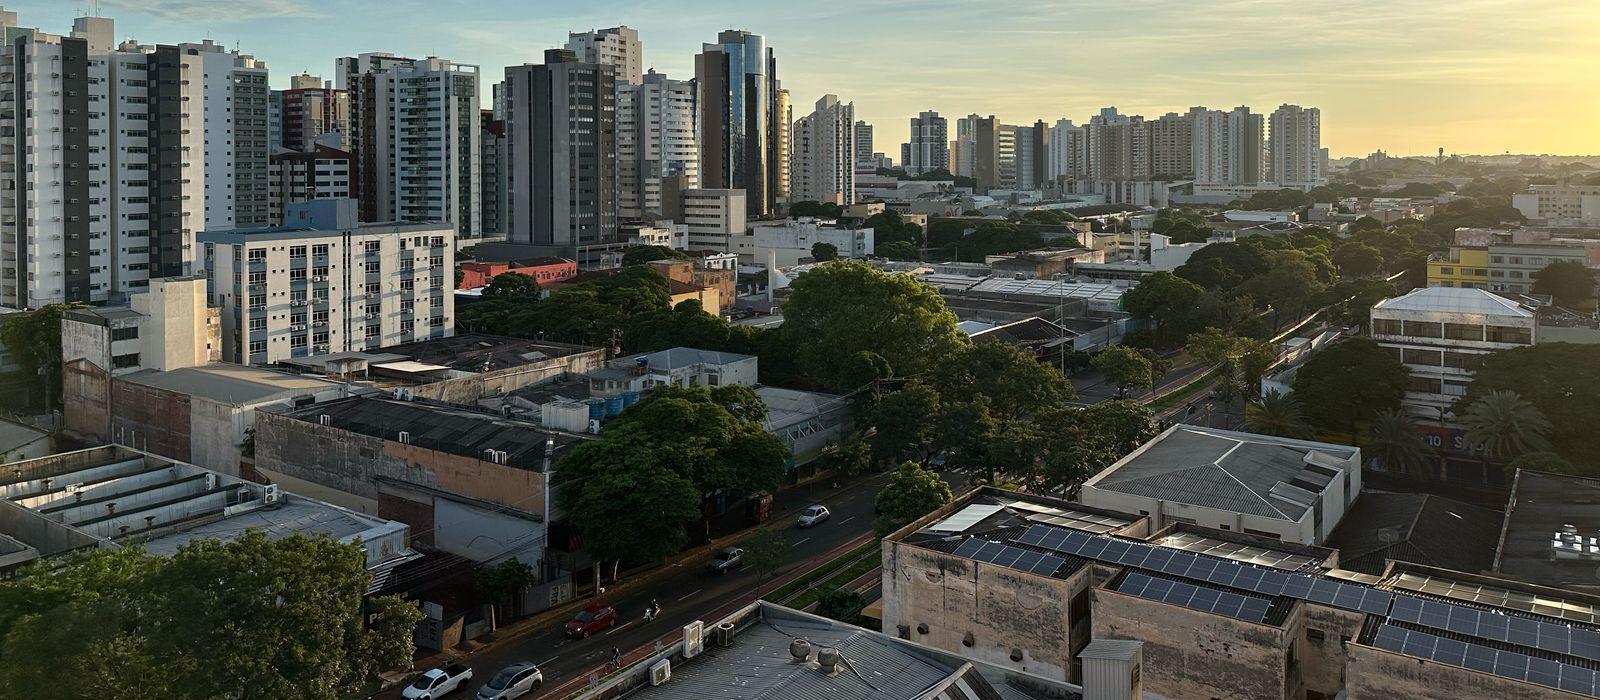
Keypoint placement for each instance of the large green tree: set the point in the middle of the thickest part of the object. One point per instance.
(33, 340)
(1570, 282)
(248, 618)
(641, 254)
(904, 424)
(1126, 368)
(511, 286)
(1558, 379)
(1348, 382)
(1276, 414)
(912, 492)
(1394, 444)
(1358, 260)
(837, 310)
(1166, 299)
(824, 252)
(1504, 425)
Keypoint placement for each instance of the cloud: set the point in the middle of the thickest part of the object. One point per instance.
(215, 10)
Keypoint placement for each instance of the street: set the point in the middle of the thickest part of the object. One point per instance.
(685, 594)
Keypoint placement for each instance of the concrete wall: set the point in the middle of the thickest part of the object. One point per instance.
(41, 533)
(39, 447)
(150, 419)
(1191, 654)
(466, 390)
(86, 400)
(1322, 665)
(1301, 532)
(349, 462)
(1375, 674)
(1003, 609)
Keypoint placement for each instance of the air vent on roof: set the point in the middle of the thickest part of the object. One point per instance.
(1569, 545)
(325, 419)
(405, 438)
(660, 671)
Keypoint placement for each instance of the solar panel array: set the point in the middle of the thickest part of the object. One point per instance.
(1009, 557)
(1221, 572)
(1500, 598)
(1479, 657)
(1195, 597)
(1513, 629)
(1260, 556)
(1079, 520)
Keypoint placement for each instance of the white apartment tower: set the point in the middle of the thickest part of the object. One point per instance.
(1296, 150)
(1226, 147)
(618, 47)
(325, 283)
(234, 106)
(103, 163)
(1067, 151)
(865, 162)
(929, 145)
(655, 139)
(415, 130)
(823, 154)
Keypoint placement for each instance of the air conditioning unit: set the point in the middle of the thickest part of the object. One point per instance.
(297, 327)
(319, 278)
(693, 639)
(297, 302)
(723, 633)
(271, 494)
(660, 671)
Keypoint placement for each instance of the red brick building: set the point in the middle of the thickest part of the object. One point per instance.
(544, 270)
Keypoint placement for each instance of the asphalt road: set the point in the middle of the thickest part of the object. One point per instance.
(685, 595)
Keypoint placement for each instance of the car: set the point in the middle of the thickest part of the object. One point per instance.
(725, 560)
(812, 515)
(596, 617)
(437, 682)
(513, 681)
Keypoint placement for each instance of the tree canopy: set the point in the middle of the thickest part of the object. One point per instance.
(1559, 380)
(912, 492)
(824, 252)
(1568, 281)
(511, 286)
(587, 312)
(1166, 299)
(1126, 368)
(837, 310)
(641, 254)
(1347, 382)
(247, 618)
(823, 210)
(33, 340)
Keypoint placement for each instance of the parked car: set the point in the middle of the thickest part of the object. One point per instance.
(812, 515)
(728, 559)
(513, 681)
(437, 682)
(596, 617)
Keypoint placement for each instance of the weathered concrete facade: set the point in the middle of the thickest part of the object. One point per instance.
(151, 419)
(466, 390)
(1375, 674)
(1191, 654)
(86, 399)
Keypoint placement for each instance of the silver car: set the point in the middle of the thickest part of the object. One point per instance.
(513, 681)
(812, 515)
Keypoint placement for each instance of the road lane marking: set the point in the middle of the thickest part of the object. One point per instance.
(618, 627)
(846, 520)
(549, 661)
(691, 595)
(801, 542)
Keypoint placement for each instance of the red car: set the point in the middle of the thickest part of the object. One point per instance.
(596, 617)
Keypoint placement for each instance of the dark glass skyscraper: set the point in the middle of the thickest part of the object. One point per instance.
(739, 122)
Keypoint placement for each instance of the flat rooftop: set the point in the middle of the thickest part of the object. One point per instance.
(457, 430)
(231, 384)
(1541, 504)
(1262, 475)
(1419, 528)
(477, 352)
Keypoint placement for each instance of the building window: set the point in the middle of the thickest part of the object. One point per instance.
(371, 246)
(258, 255)
(436, 322)
(407, 326)
(1385, 326)
(408, 285)
(297, 340)
(1423, 329)
(297, 274)
(258, 301)
(319, 338)
(258, 347)
(1509, 334)
(374, 331)
(297, 251)
(125, 361)
(258, 324)
(320, 250)
(129, 333)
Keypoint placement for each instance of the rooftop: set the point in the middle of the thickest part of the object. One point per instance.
(237, 385)
(1541, 504)
(470, 352)
(786, 407)
(678, 358)
(1260, 475)
(1416, 527)
(14, 435)
(1455, 300)
(759, 663)
(457, 430)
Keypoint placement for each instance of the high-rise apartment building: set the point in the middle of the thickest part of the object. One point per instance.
(310, 113)
(325, 283)
(864, 154)
(1067, 152)
(928, 147)
(655, 139)
(1031, 154)
(823, 153)
(1296, 146)
(323, 172)
(964, 148)
(1118, 146)
(618, 47)
(743, 123)
(234, 112)
(561, 134)
(715, 218)
(494, 164)
(415, 127)
(1171, 146)
(104, 160)
(1226, 147)
(781, 145)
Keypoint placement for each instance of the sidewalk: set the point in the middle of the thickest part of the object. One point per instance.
(784, 503)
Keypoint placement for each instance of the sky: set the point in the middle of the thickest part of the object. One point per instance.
(1405, 76)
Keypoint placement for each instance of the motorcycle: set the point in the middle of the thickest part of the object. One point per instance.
(652, 612)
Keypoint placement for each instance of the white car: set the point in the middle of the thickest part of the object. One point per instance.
(513, 681)
(438, 682)
(812, 515)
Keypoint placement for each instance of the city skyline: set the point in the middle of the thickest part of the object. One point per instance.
(1482, 77)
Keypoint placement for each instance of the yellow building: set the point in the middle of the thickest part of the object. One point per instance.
(1464, 267)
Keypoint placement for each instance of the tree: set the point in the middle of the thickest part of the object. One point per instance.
(990, 392)
(1352, 300)
(766, 551)
(503, 583)
(824, 252)
(511, 286)
(811, 208)
(1568, 281)
(847, 457)
(911, 493)
(641, 254)
(685, 325)
(841, 604)
(1559, 380)
(1125, 367)
(902, 425)
(1164, 298)
(1366, 223)
(1349, 381)
(840, 309)
(33, 340)
(1276, 414)
(863, 368)
(1548, 462)
(1502, 424)
(898, 250)
(251, 617)
(1291, 280)
(1358, 260)
(1394, 444)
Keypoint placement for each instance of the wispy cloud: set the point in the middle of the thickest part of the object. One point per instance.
(202, 11)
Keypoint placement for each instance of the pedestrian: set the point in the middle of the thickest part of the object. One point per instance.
(616, 657)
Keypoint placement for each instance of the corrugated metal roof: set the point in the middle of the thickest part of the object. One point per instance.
(1461, 300)
(1115, 649)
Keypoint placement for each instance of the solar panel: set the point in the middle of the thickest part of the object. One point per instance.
(1500, 662)
(1009, 557)
(964, 519)
(1557, 637)
(1499, 597)
(969, 548)
(1195, 597)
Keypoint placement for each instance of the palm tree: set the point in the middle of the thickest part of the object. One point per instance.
(1503, 425)
(1394, 445)
(1276, 414)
